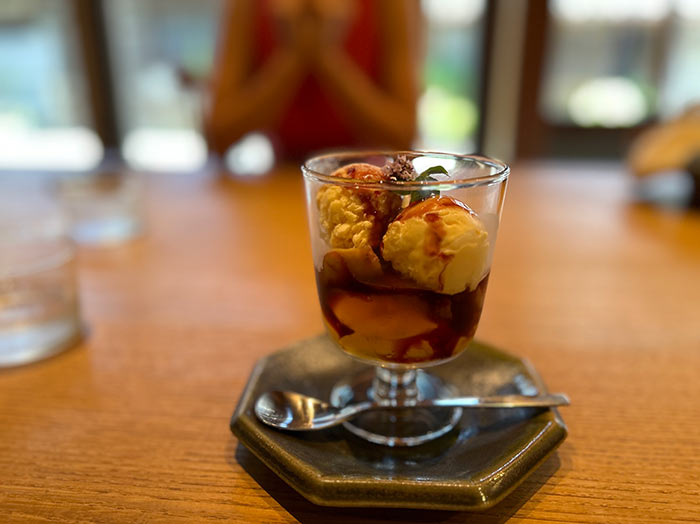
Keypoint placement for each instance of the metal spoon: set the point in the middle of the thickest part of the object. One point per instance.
(297, 412)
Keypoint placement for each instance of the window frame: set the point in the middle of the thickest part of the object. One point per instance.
(538, 137)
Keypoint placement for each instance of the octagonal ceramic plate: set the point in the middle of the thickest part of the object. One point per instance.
(472, 467)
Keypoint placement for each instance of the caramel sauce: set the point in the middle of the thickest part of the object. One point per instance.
(360, 171)
(431, 206)
(385, 309)
(455, 316)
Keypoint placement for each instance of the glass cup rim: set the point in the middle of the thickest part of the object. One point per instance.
(503, 170)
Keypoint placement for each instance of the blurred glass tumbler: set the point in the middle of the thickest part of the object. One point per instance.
(402, 246)
(39, 314)
(104, 208)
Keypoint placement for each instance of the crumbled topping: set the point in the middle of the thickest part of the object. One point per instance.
(400, 168)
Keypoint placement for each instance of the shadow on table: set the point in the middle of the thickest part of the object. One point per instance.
(307, 512)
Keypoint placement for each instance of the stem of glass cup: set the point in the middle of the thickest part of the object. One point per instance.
(392, 386)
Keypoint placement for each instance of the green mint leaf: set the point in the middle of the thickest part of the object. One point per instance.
(425, 175)
(419, 195)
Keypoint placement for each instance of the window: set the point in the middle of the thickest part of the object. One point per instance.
(607, 69)
(448, 108)
(154, 44)
(44, 121)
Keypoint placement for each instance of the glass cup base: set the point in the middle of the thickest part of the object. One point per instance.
(30, 343)
(397, 427)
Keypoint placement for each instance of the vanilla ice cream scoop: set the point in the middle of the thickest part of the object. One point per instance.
(351, 217)
(439, 243)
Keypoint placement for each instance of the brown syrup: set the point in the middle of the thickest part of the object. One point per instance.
(430, 206)
(456, 316)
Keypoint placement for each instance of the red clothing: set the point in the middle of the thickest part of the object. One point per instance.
(311, 122)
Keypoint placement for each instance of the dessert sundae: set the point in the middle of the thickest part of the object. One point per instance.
(405, 273)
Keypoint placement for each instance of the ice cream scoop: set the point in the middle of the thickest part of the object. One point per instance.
(439, 243)
(352, 217)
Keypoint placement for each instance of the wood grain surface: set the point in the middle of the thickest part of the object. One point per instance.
(600, 293)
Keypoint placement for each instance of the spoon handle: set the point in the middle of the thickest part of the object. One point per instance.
(501, 401)
(497, 401)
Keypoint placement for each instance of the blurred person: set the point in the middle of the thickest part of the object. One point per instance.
(315, 74)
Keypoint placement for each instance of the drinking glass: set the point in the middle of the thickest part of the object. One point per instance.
(39, 310)
(402, 265)
(104, 208)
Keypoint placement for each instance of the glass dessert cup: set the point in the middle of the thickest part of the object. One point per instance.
(402, 245)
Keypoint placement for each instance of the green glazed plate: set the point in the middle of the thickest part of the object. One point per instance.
(471, 468)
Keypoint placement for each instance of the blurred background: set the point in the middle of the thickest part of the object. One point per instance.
(85, 80)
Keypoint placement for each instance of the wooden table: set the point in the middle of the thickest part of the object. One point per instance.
(602, 295)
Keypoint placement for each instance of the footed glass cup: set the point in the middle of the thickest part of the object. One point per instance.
(402, 244)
